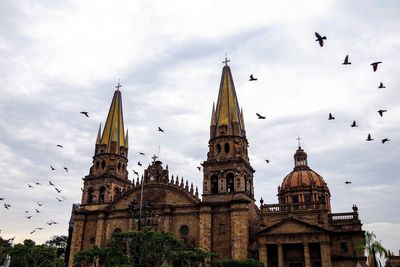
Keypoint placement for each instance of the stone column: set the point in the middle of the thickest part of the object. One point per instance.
(100, 230)
(77, 236)
(326, 254)
(263, 254)
(239, 231)
(205, 228)
(280, 256)
(307, 259)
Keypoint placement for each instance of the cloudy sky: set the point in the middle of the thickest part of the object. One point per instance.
(59, 58)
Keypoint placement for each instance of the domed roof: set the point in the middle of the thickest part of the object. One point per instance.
(302, 175)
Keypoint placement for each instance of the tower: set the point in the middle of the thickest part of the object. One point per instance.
(228, 211)
(108, 176)
(227, 170)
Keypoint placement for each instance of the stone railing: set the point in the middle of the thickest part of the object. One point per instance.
(291, 207)
(343, 217)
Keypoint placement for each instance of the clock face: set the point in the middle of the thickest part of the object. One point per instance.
(152, 178)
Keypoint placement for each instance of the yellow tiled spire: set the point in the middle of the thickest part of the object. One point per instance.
(227, 112)
(113, 134)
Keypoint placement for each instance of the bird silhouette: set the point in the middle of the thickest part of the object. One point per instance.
(199, 168)
(141, 153)
(139, 163)
(320, 39)
(30, 186)
(252, 78)
(54, 222)
(49, 223)
(39, 204)
(58, 190)
(32, 232)
(354, 124)
(260, 117)
(39, 228)
(37, 183)
(11, 239)
(60, 146)
(59, 200)
(50, 183)
(29, 217)
(52, 168)
(135, 172)
(381, 86)
(267, 161)
(82, 189)
(347, 182)
(85, 113)
(160, 130)
(26, 211)
(37, 211)
(66, 169)
(369, 138)
(1, 198)
(331, 117)
(375, 65)
(7, 206)
(385, 140)
(346, 60)
(381, 111)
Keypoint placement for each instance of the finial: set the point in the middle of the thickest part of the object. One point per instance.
(154, 158)
(226, 60)
(261, 201)
(197, 192)
(118, 85)
(298, 140)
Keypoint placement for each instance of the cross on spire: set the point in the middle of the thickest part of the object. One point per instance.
(298, 140)
(226, 60)
(154, 158)
(118, 85)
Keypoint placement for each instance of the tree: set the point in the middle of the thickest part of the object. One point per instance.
(372, 247)
(142, 248)
(5, 246)
(60, 243)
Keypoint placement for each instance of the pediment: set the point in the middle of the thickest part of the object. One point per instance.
(158, 194)
(292, 226)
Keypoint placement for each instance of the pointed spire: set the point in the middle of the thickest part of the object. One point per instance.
(191, 188)
(126, 139)
(197, 192)
(177, 180)
(213, 116)
(113, 132)
(98, 139)
(227, 113)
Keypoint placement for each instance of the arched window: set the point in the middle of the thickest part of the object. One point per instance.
(117, 191)
(97, 165)
(90, 196)
(214, 184)
(103, 164)
(102, 192)
(226, 148)
(245, 184)
(117, 230)
(119, 166)
(230, 185)
(218, 148)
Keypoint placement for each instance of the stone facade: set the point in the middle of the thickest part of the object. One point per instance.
(299, 231)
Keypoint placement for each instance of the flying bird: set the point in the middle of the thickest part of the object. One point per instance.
(32, 231)
(39, 228)
(199, 168)
(354, 124)
(260, 117)
(320, 39)
(7, 206)
(331, 117)
(59, 200)
(26, 211)
(64, 197)
(381, 86)
(1, 198)
(52, 168)
(58, 190)
(50, 183)
(381, 111)
(85, 113)
(347, 182)
(141, 153)
(385, 140)
(39, 204)
(267, 160)
(37, 211)
(29, 217)
(30, 186)
(66, 169)
(135, 172)
(346, 60)
(49, 223)
(160, 130)
(252, 78)
(375, 65)
(139, 163)
(60, 146)
(37, 183)
(369, 138)
(11, 239)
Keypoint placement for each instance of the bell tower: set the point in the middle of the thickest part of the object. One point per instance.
(108, 176)
(227, 170)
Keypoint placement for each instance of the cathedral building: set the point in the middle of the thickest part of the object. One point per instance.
(299, 231)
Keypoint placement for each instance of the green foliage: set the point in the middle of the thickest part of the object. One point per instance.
(372, 247)
(60, 243)
(238, 263)
(32, 255)
(5, 246)
(142, 248)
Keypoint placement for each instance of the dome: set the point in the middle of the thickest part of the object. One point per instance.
(303, 177)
